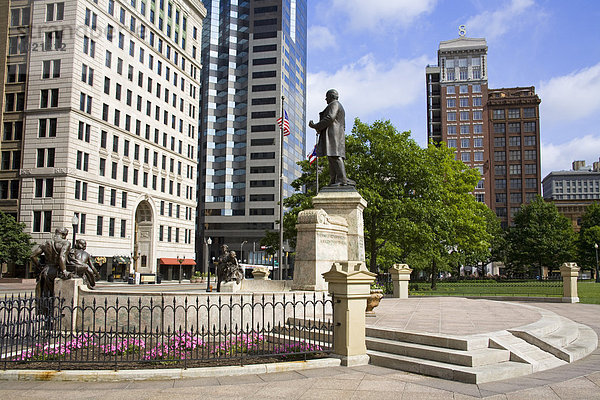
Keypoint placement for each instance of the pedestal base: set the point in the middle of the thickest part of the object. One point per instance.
(230, 287)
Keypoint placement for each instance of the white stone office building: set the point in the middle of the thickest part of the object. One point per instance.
(110, 128)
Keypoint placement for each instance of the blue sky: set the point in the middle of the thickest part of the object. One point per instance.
(375, 52)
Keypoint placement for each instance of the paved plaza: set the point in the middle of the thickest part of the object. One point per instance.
(579, 380)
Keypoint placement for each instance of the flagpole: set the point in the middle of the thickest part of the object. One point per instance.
(317, 161)
(280, 255)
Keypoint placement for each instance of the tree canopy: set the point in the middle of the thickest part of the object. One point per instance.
(420, 207)
(15, 243)
(540, 237)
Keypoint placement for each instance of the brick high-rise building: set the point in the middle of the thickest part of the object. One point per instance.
(100, 111)
(514, 140)
(253, 54)
(493, 130)
(456, 97)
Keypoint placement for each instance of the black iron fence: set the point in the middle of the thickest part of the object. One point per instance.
(173, 332)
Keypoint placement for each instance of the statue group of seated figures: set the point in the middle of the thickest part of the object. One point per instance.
(228, 269)
(61, 260)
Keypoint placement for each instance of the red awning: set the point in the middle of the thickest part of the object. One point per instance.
(173, 261)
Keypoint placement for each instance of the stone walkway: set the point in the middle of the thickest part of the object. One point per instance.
(580, 380)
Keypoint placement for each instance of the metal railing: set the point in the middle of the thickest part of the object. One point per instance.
(197, 331)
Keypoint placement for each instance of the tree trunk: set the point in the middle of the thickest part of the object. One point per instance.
(433, 274)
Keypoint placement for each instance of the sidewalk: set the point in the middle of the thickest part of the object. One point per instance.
(579, 380)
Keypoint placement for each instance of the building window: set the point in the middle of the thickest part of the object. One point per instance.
(42, 221)
(450, 103)
(55, 11)
(500, 184)
(478, 142)
(451, 90)
(499, 128)
(477, 115)
(529, 112)
(516, 198)
(499, 156)
(514, 127)
(464, 102)
(530, 154)
(465, 157)
(515, 155)
(500, 170)
(514, 141)
(501, 198)
(530, 169)
(514, 113)
(529, 127)
(452, 143)
(531, 183)
(451, 116)
(451, 129)
(515, 183)
(478, 156)
(462, 89)
(515, 169)
(529, 141)
(465, 129)
(497, 114)
(465, 143)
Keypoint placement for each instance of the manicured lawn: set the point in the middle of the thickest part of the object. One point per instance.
(530, 288)
(589, 292)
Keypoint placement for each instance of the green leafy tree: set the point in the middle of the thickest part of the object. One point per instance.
(589, 235)
(15, 243)
(540, 237)
(420, 207)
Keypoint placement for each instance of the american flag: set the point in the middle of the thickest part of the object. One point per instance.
(286, 123)
(312, 156)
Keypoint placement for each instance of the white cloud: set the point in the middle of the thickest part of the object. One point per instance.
(368, 89)
(558, 157)
(320, 38)
(371, 14)
(492, 24)
(571, 97)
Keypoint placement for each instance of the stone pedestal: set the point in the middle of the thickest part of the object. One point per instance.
(322, 240)
(68, 291)
(260, 273)
(347, 203)
(569, 273)
(349, 284)
(400, 278)
(230, 287)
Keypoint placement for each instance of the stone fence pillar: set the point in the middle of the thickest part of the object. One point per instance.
(400, 278)
(569, 273)
(349, 283)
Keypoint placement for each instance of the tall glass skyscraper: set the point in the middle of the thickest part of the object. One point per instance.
(253, 53)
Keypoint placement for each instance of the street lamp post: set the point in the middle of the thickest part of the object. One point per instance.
(207, 243)
(180, 261)
(74, 222)
(242, 248)
(597, 277)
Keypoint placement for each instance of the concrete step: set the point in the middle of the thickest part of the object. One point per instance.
(525, 352)
(569, 342)
(310, 323)
(304, 334)
(429, 339)
(480, 374)
(469, 358)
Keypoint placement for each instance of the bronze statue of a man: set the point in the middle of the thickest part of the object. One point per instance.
(55, 253)
(332, 139)
(228, 268)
